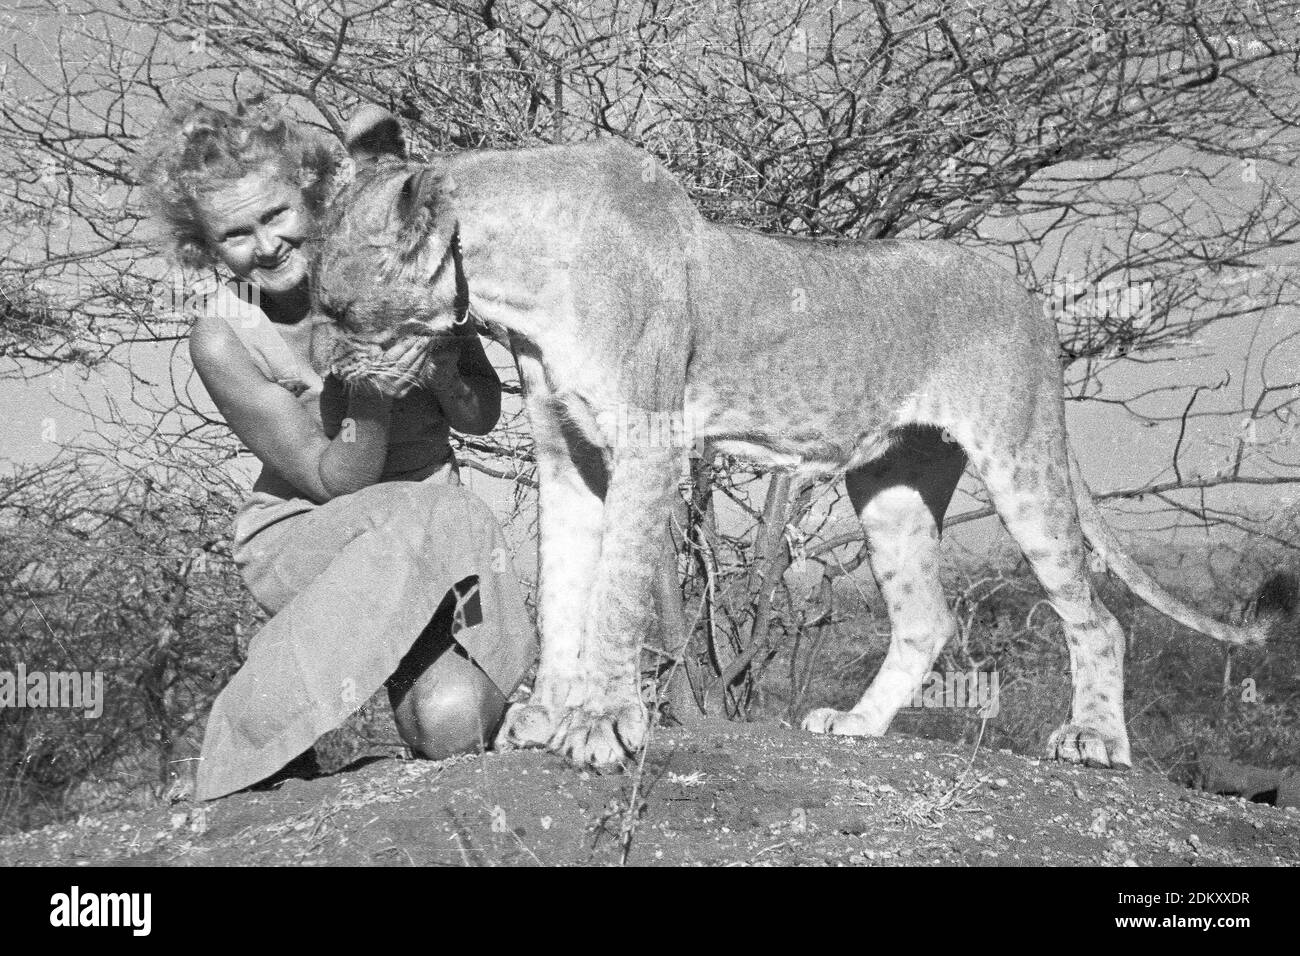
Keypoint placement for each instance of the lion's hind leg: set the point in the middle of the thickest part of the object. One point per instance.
(901, 499)
(1029, 484)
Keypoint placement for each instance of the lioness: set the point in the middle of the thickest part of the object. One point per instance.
(893, 363)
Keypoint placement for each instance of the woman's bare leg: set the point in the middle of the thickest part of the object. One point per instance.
(443, 703)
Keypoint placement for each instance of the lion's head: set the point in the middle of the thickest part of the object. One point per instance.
(387, 268)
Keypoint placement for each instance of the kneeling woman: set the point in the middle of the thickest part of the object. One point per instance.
(378, 568)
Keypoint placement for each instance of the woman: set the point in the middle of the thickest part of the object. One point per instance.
(357, 536)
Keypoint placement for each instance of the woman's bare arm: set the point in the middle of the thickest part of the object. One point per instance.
(469, 397)
(278, 430)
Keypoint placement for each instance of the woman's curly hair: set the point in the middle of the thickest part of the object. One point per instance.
(196, 149)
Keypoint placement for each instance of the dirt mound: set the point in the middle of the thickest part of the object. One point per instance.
(723, 794)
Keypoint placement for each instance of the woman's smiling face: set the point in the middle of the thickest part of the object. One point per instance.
(256, 226)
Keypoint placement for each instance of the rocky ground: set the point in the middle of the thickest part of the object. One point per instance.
(721, 794)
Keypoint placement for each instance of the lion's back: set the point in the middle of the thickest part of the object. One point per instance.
(628, 184)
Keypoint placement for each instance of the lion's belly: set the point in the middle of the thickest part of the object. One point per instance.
(778, 436)
(817, 462)
(755, 453)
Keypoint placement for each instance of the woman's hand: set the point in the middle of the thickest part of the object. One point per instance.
(441, 370)
(405, 366)
(455, 372)
(465, 384)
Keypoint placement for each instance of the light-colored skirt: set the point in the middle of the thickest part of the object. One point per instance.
(352, 584)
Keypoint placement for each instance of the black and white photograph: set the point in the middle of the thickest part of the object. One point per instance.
(651, 433)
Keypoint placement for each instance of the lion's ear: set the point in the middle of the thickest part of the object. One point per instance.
(372, 135)
(420, 189)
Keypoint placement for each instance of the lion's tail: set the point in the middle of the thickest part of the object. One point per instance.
(1271, 609)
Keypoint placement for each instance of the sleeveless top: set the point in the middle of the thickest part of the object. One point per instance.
(419, 444)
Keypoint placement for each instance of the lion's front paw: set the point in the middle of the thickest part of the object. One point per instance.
(527, 724)
(846, 723)
(602, 740)
(1074, 743)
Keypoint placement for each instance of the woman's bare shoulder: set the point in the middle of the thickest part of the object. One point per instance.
(219, 355)
(211, 337)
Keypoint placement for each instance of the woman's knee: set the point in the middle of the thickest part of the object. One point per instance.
(452, 708)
